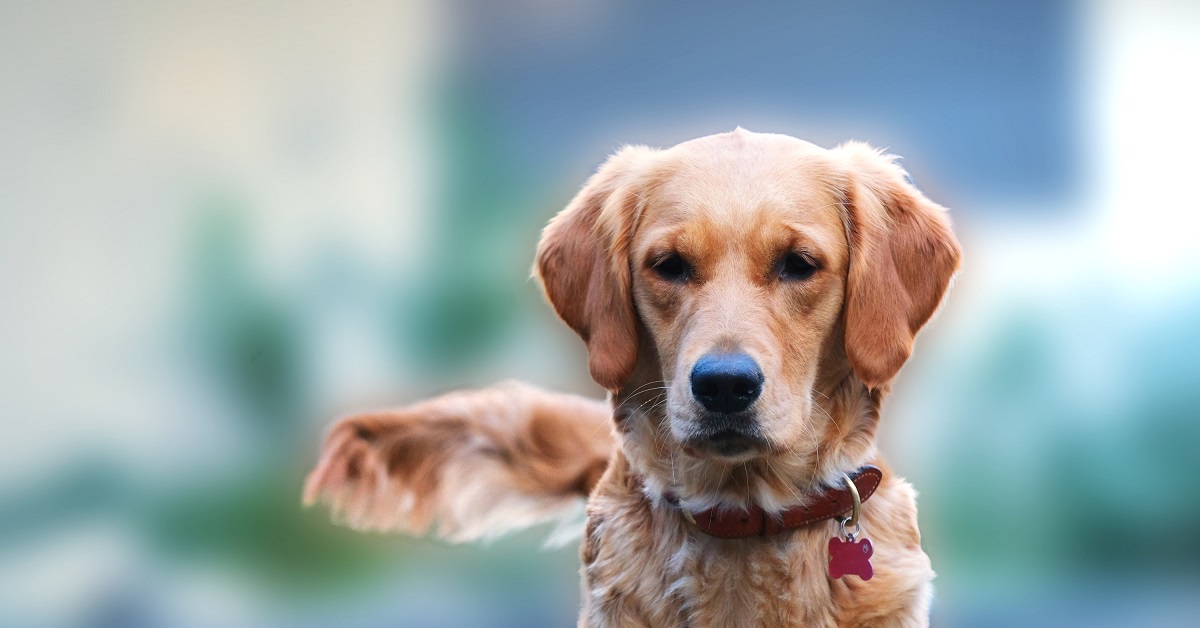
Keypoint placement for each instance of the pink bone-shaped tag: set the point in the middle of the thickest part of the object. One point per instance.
(850, 557)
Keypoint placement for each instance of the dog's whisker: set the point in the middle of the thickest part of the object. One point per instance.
(783, 480)
(650, 383)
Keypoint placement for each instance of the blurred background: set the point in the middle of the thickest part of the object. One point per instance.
(223, 224)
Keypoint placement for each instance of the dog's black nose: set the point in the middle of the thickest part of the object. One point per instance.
(726, 382)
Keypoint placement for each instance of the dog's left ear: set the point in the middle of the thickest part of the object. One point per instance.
(583, 264)
(902, 257)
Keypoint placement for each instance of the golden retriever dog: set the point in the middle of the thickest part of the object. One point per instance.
(746, 299)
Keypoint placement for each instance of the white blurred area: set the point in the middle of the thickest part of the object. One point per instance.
(1145, 54)
(1137, 217)
(116, 121)
(1133, 229)
(116, 118)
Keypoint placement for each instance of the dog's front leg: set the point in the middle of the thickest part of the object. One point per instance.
(470, 464)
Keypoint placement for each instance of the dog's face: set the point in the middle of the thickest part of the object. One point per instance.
(738, 268)
(740, 278)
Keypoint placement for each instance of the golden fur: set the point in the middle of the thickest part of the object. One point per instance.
(732, 205)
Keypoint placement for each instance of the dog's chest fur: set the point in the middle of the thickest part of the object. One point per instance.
(644, 566)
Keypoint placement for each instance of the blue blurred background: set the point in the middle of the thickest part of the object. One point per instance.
(222, 224)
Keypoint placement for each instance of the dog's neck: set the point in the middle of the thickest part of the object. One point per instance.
(842, 439)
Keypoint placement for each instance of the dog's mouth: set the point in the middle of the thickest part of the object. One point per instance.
(729, 444)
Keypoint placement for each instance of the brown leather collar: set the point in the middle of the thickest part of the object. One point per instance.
(725, 523)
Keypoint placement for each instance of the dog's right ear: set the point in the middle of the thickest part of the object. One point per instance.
(583, 264)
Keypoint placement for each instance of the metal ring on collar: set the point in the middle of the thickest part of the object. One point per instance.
(853, 519)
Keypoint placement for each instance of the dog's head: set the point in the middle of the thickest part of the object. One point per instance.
(733, 288)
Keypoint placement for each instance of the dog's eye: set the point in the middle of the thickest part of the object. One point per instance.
(672, 267)
(796, 267)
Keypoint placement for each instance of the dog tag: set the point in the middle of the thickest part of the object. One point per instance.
(850, 557)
